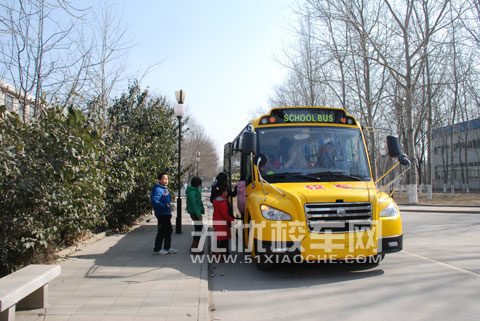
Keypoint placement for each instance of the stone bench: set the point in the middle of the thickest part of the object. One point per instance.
(26, 288)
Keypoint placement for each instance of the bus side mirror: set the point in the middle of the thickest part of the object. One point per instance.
(249, 143)
(393, 146)
(395, 151)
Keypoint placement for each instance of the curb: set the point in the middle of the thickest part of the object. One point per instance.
(81, 245)
(447, 210)
(439, 205)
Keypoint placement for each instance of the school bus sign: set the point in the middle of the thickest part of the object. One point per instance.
(307, 115)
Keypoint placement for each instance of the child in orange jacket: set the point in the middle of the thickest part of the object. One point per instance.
(221, 220)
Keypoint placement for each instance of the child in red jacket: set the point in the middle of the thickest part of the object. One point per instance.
(221, 221)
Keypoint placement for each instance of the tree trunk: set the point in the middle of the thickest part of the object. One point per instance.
(429, 130)
(412, 183)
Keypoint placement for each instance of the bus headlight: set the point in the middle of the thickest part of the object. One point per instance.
(389, 211)
(273, 214)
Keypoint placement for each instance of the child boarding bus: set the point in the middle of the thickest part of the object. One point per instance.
(308, 189)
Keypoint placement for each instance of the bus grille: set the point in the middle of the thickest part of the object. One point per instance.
(338, 217)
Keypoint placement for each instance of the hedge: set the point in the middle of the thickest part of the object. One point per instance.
(70, 173)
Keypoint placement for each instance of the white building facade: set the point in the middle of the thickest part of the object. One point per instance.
(14, 101)
(466, 156)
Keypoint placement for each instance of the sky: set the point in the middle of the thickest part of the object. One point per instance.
(223, 53)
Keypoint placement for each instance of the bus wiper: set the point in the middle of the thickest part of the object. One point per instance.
(294, 174)
(261, 179)
(337, 174)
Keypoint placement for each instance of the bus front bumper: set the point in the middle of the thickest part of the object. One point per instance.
(307, 251)
(390, 244)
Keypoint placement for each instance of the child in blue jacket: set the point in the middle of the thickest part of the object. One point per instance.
(160, 199)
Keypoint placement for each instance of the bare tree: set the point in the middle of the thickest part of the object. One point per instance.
(102, 43)
(61, 54)
(29, 53)
(455, 89)
(405, 63)
(199, 146)
(469, 14)
(112, 44)
(365, 78)
(337, 48)
(428, 94)
(301, 86)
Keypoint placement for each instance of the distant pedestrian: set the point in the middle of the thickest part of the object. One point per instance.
(160, 199)
(196, 209)
(222, 222)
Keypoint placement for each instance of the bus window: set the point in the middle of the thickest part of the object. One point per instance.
(313, 151)
(235, 165)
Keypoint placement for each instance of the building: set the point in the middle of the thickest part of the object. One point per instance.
(13, 101)
(466, 156)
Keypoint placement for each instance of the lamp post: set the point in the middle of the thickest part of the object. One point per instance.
(198, 161)
(179, 110)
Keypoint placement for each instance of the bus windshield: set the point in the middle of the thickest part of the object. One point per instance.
(299, 154)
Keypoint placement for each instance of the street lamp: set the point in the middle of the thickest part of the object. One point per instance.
(179, 110)
(198, 161)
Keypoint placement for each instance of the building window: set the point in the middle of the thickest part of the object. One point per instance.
(9, 102)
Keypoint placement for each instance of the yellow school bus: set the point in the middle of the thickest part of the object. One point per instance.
(309, 193)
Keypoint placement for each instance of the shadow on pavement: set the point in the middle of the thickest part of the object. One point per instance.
(248, 277)
(131, 257)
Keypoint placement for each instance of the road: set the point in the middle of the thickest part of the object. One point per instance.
(435, 277)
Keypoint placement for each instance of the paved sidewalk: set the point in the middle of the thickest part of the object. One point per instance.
(118, 278)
